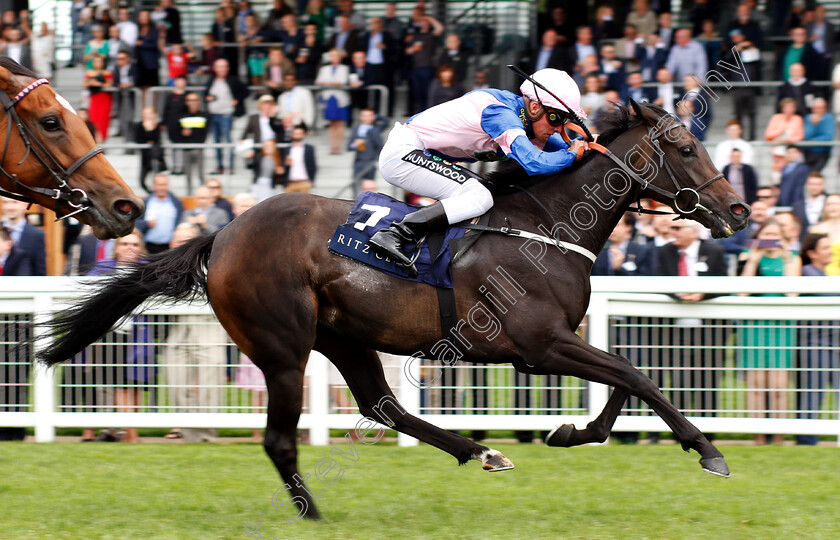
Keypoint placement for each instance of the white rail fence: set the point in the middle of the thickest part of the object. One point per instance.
(732, 364)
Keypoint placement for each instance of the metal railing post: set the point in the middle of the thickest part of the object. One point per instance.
(409, 395)
(319, 399)
(598, 337)
(43, 377)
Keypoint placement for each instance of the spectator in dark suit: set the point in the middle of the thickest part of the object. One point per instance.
(291, 36)
(745, 26)
(798, 87)
(633, 89)
(346, 38)
(612, 69)
(701, 10)
(744, 97)
(308, 56)
(651, 57)
(741, 176)
(174, 105)
(16, 47)
(665, 29)
(794, 175)
(224, 33)
(453, 55)
(687, 255)
(125, 77)
(698, 105)
(13, 260)
(362, 76)
(809, 209)
(299, 160)
(263, 125)
(86, 252)
(366, 141)
(148, 131)
(381, 51)
(605, 26)
(550, 54)
(822, 36)
(625, 256)
(26, 237)
(627, 47)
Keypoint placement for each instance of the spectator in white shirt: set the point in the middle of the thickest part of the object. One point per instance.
(733, 140)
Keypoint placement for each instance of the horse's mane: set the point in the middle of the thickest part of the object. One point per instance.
(15, 68)
(612, 125)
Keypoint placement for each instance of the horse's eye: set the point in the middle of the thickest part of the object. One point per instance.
(51, 124)
(686, 151)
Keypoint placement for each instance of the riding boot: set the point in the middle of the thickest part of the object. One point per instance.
(389, 242)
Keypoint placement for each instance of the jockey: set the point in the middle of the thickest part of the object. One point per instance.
(482, 125)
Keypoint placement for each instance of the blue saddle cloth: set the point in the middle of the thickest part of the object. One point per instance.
(375, 211)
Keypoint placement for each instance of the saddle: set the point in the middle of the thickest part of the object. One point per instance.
(375, 211)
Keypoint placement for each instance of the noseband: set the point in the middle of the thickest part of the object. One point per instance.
(74, 197)
(653, 137)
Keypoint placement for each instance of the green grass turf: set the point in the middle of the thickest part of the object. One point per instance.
(198, 491)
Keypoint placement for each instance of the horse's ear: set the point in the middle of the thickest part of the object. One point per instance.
(644, 112)
(5, 79)
(636, 108)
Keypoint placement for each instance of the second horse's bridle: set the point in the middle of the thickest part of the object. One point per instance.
(75, 197)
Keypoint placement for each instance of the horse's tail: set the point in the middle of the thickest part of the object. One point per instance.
(177, 274)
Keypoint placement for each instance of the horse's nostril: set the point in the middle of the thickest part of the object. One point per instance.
(739, 210)
(126, 208)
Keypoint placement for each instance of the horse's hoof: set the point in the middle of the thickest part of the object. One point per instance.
(560, 436)
(716, 465)
(495, 461)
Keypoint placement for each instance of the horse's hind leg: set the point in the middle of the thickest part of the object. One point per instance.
(596, 431)
(362, 370)
(285, 399)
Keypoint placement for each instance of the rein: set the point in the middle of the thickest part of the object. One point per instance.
(653, 136)
(75, 197)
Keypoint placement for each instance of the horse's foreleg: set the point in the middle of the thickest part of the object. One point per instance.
(573, 356)
(362, 370)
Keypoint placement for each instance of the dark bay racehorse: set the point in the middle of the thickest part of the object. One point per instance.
(50, 158)
(279, 293)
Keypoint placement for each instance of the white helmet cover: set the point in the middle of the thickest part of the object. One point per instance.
(560, 83)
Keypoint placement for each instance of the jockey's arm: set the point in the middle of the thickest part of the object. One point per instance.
(536, 161)
(507, 130)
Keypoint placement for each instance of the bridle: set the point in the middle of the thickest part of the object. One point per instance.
(576, 124)
(75, 197)
(653, 137)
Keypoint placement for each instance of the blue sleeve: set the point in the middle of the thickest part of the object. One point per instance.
(535, 161)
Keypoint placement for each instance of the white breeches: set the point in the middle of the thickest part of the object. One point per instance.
(462, 199)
